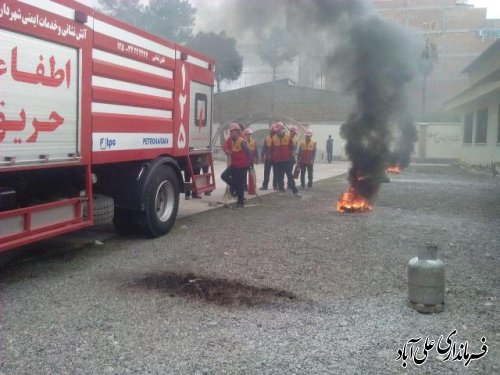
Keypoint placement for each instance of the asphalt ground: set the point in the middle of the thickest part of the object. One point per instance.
(285, 286)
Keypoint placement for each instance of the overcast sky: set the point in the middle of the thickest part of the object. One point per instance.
(493, 6)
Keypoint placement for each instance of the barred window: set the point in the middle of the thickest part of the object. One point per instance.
(482, 126)
(468, 123)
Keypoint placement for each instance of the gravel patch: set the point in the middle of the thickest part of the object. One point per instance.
(286, 286)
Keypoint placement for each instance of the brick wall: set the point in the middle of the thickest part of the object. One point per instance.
(463, 18)
(299, 103)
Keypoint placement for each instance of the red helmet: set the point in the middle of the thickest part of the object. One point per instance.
(309, 132)
(234, 126)
(248, 131)
(278, 126)
(294, 129)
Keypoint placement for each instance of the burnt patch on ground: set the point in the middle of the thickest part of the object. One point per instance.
(212, 290)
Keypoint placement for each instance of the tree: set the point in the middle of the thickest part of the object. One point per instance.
(220, 47)
(276, 49)
(130, 11)
(170, 19)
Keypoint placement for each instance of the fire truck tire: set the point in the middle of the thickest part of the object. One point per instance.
(161, 198)
(103, 208)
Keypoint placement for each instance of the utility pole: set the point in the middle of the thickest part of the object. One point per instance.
(428, 59)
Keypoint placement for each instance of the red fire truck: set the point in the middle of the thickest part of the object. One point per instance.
(97, 118)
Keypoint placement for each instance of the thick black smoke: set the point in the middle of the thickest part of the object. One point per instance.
(376, 59)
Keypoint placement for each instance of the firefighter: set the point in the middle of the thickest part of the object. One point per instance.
(266, 158)
(235, 175)
(282, 148)
(293, 150)
(252, 145)
(307, 155)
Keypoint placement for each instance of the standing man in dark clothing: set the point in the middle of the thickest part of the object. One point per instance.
(329, 149)
(236, 174)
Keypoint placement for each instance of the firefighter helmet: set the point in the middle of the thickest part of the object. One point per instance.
(278, 126)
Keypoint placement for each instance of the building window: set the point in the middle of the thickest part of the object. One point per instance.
(468, 123)
(498, 124)
(482, 126)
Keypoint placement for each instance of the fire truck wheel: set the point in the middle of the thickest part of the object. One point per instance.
(103, 208)
(161, 199)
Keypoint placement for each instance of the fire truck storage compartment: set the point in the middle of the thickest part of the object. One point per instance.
(38, 101)
(43, 179)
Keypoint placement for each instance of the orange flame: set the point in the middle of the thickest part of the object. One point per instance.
(393, 169)
(351, 201)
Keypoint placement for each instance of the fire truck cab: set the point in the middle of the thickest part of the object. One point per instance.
(98, 120)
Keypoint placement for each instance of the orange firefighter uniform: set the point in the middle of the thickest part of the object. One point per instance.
(307, 154)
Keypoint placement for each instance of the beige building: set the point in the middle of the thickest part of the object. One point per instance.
(478, 107)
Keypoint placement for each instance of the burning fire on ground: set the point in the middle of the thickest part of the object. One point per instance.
(352, 201)
(396, 169)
